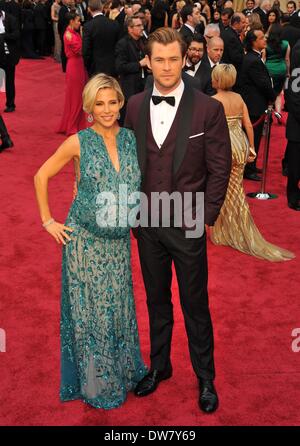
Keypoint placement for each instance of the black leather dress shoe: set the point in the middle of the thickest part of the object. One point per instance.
(208, 399)
(9, 109)
(295, 206)
(6, 143)
(252, 176)
(150, 382)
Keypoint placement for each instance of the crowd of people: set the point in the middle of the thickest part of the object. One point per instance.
(111, 39)
(176, 101)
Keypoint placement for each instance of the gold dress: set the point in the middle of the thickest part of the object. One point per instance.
(235, 226)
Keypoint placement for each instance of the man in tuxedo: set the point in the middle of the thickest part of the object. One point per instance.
(183, 146)
(250, 5)
(256, 89)
(10, 50)
(200, 64)
(100, 36)
(191, 18)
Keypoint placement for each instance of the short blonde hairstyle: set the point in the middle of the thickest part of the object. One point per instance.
(96, 83)
(224, 76)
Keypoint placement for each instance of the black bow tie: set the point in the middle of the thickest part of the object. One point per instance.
(169, 99)
(189, 67)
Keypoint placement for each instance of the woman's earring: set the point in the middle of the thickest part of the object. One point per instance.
(119, 116)
(90, 118)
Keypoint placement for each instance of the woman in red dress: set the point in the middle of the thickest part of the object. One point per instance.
(73, 118)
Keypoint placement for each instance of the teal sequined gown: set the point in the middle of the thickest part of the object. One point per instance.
(100, 352)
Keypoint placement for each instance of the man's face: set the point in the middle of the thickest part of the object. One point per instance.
(260, 42)
(195, 52)
(290, 8)
(166, 63)
(215, 52)
(136, 30)
(196, 16)
(225, 20)
(240, 27)
(250, 4)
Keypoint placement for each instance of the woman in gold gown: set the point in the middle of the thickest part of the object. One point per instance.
(235, 226)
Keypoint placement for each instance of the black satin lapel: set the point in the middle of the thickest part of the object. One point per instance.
(141, 131)
(183, 130)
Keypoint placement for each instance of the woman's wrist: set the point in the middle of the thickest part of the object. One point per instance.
(48, 222)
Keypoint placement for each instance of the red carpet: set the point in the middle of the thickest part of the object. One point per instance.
(255, 304)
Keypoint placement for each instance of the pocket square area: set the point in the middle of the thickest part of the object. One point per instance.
(195, 136)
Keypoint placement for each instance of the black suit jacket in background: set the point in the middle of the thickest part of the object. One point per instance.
(233, 49)
(12, 39)
(127, 56)
(100, 36)
(256, 86)
(62, 22)
(186, 32)
(204, 75)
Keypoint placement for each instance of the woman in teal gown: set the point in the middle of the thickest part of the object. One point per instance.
(100, 351)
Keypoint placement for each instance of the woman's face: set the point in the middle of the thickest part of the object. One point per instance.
(75, 24)
(106, 108)
(147, 15)
(272, 17)
(217, 15)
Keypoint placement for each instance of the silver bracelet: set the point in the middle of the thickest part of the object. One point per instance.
(49, 222)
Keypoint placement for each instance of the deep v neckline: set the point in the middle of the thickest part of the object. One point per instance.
(107, 152)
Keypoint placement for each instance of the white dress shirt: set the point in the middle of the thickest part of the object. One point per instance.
(162, 115)
(192, 73)
(2, 29)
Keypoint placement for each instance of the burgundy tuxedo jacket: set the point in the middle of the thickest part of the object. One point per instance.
(196, 155)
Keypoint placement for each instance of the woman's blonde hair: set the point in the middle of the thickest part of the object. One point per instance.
(96, 83)
(223, 76)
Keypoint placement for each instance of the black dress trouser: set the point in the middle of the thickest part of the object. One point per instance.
(10, 70)
(158, 249)
(251, 167)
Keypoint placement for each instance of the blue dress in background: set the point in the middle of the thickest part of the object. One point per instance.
(100, 351)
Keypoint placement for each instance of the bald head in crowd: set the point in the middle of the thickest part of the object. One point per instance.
(215, 49)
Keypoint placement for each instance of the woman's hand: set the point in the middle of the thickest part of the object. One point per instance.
(251, 155)
(57, 230)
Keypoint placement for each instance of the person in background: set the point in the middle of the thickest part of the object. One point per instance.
(250, 5)
(99, 39)
(10, 55)
(277, 63)
(257, 91)
(73, 118)
(176, 17)
(56, 5)
(235, 226)
(159, 15)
